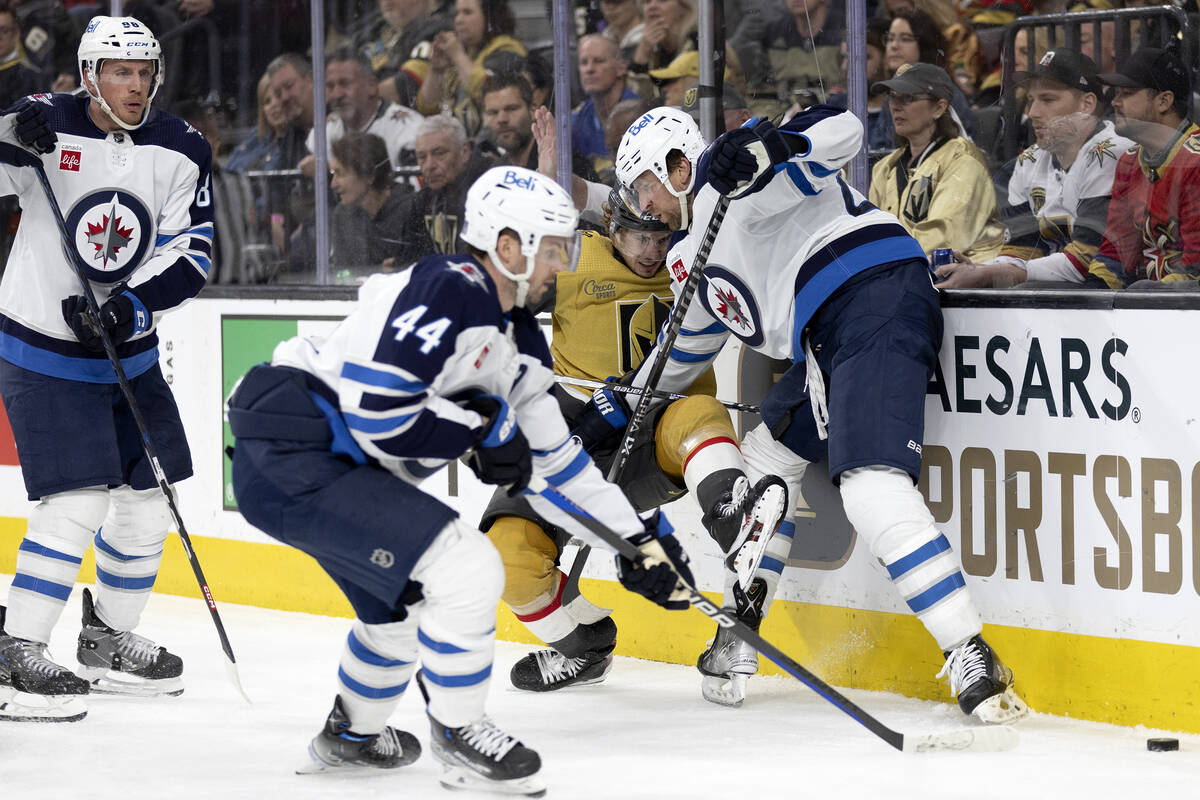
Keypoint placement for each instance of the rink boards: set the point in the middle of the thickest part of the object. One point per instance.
(1060, 458)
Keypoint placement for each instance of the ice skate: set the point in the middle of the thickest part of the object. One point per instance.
(729, 662)
(121, 662)
(982, 683)
(547, 670)
(481, 756)
(32, 687)
(744, 520)
(337, 748)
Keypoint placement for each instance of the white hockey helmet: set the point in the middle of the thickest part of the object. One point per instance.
(645, 147)
(527, 203)
(118, 38)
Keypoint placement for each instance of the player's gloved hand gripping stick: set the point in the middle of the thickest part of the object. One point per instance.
(102, 333)
(976, 739)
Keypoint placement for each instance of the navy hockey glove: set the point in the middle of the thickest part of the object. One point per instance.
(743, 160)
(122, 316)
(33, 127)
(501, 456)
(602, 421)
(653, 577)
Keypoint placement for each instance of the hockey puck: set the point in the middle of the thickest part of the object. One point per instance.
(1162, 745)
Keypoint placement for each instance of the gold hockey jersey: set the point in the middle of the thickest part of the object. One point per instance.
(606, 317)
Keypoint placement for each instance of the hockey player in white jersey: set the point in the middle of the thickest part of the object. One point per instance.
(439, 362)
(805, 269)
(133, 184)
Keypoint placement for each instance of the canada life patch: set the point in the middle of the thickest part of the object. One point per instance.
(69, 158)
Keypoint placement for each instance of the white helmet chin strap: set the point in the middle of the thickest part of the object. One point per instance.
(522, 281)
(682, 196)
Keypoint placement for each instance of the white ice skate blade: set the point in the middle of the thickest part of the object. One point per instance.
(764, 521)
(724, 691)
(25, 707)
(1002, 708)
(461, 778)
(983, 739)
(130, 686)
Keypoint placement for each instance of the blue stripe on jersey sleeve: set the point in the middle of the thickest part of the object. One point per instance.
(716, 327)
(684, 357)
(381, 379)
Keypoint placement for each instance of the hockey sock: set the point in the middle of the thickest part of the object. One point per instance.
(376, 666)
(462, 577)
(129, 549)
(48, 560)
(890, 515)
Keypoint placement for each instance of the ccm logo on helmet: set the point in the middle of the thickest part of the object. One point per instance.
(512, 178)
(641, 123)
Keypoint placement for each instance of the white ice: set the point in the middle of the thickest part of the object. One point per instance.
(644, 733)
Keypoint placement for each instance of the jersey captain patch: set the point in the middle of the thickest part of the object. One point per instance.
(730, 302)
(112, 230)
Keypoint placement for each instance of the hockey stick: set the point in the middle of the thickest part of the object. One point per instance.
(748, 408)
(663, 352)
(72, 254)
(977, 739)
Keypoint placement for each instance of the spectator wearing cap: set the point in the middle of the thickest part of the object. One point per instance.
(1058, 195)
(602, 76)
(734, 109)
(674, 79)
(936, 181)
(17, 77)
(1153, 229)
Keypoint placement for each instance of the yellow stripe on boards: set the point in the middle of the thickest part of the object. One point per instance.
(1121, 681)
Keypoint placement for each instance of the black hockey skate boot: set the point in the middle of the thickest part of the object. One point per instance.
(982, 682)
(25, 668)
(729, 661)
(121, 662)
(337, 747)
(480, 755)
(744, 519)
(547, 670)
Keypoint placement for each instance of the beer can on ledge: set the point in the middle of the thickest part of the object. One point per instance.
(941, 256)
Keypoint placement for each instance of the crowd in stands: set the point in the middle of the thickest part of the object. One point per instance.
(1093, 179)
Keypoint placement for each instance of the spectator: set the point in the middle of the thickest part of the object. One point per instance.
(964, 54)
(602, 75)
(289, 202)
(50, 41)
(292, 83)
(619, 119)
(434, 215)
(370, 213)
(1058, 195)
(508, 118)
(17, 77)
(880, 137)
(734, 109)
(1153, 229)
(668, 29)
(913, 36)
(352, 97)
(540, 74)
(935, 182)
(800, 57)
(482, 43)
(399, 44)
(261, 147)
(674, 79)
(623, 25)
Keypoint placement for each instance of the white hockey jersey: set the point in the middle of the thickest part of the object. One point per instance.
(780, 252)
(419, 344)
(138, 209)
(1057, 217)
(395, 124)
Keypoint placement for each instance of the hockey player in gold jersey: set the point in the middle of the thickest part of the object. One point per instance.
(606, 317)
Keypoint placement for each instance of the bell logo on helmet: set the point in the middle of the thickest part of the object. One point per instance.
(641, 123)
(511, 178)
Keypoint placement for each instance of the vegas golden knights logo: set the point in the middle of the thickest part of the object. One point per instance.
(443, 230)
(1037, 198)
(919, 200)
(640, 323)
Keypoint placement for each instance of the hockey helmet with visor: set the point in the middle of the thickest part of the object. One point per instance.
(642, 156)
(121, 39)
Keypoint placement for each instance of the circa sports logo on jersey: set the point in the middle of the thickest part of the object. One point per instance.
(113, 231)
(730, 302)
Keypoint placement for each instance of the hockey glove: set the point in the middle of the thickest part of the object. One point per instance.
(656, 576)
(743, 160)
(501, 456)
(602, 421)
(32, 127)
(122, 316)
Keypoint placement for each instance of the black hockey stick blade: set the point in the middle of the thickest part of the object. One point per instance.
(72, 255)
(975, 739)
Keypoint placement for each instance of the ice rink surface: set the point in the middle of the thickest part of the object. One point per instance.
(644, 733)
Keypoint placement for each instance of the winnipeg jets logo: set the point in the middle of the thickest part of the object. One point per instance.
(108, 236)
(468, 271)
(730, 301)
(113, 232)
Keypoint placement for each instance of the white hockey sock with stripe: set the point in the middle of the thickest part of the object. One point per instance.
(377, 664)
(129, 550)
